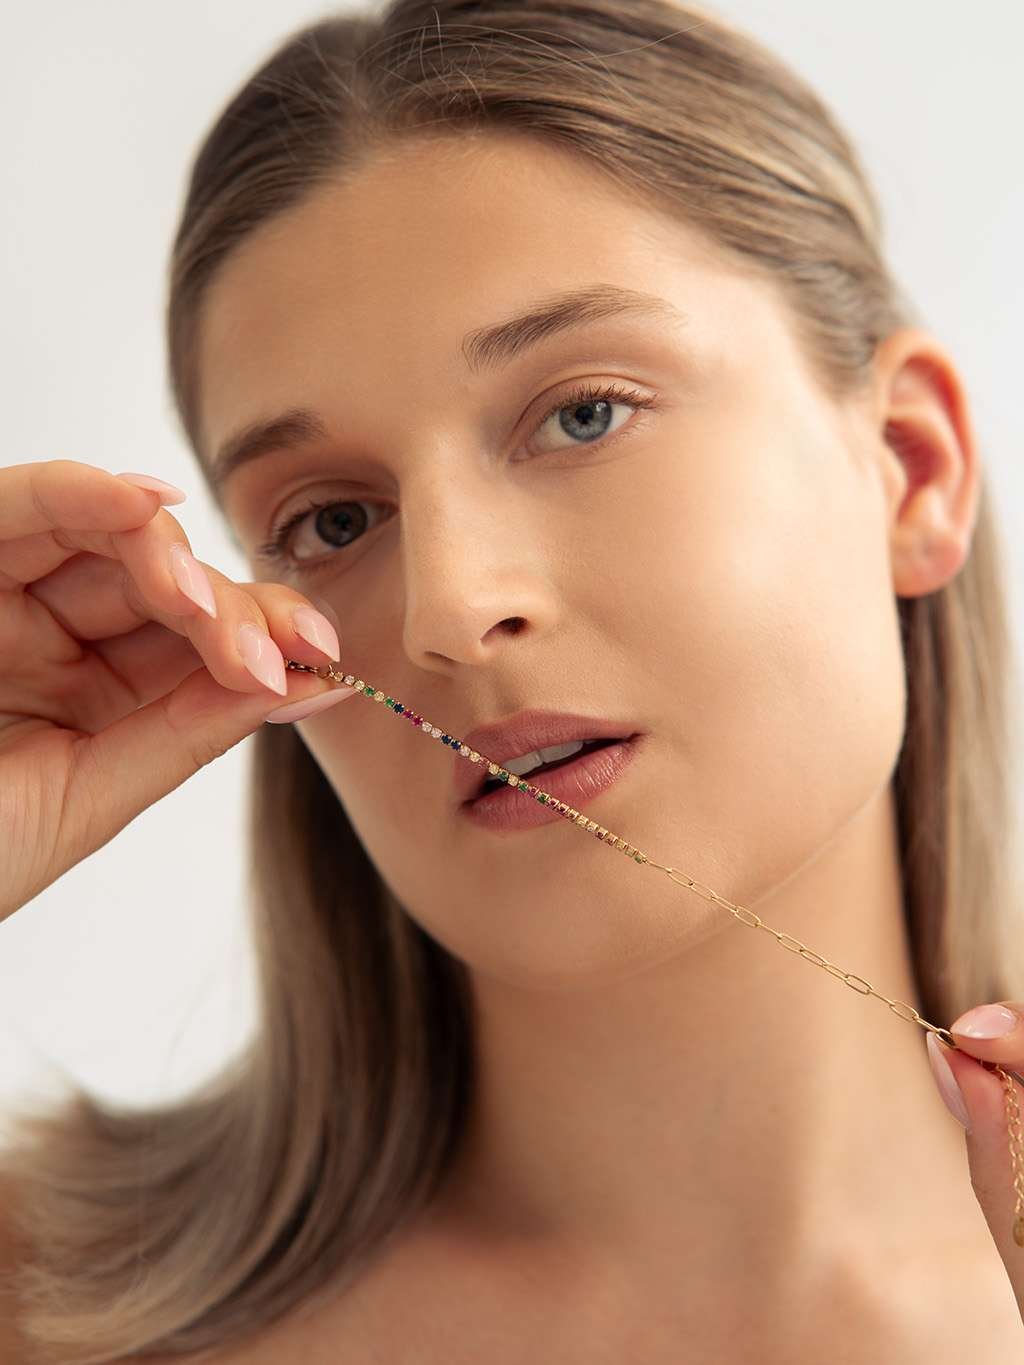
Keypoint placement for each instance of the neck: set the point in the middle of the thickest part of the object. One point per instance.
(735, 1113)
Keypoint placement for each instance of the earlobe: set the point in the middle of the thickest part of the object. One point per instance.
(927, 548)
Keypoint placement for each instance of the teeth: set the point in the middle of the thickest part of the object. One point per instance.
(527, 762)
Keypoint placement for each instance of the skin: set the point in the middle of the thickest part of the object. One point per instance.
(675, 1118)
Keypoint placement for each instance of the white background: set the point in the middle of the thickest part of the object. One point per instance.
(133, 970)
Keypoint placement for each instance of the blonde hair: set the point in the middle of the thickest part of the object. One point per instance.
(185, 1225)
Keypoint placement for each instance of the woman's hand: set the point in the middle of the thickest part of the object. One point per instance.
(116, 682)
(992, 1034)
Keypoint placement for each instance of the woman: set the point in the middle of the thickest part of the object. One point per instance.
(551, 352)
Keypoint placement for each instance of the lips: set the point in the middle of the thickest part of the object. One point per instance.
(521, 734)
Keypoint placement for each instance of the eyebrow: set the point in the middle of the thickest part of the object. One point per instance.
(483, 349)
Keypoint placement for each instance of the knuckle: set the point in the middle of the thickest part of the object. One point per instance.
(186, 719)
(276, 600)
(47, 479)
(162, 528)
(266, 594)
(204, 749)
(59, 469)
(132, 594)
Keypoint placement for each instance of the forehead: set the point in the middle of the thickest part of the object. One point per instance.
(377, 279)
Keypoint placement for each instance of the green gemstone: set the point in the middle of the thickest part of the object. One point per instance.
(523, 786)
(389, 701)
(542, 798)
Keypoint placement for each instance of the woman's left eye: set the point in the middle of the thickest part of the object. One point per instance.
(589, 407)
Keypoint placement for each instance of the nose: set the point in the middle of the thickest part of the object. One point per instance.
(476, 570)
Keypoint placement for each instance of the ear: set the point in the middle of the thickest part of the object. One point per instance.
(929, 456)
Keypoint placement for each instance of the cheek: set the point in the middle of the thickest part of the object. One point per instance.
(774, 660)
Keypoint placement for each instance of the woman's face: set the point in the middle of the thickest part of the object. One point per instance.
(714, 568)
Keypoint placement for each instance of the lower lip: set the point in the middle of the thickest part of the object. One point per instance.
(576, 783)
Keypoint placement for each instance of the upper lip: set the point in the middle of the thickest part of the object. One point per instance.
(523, 733)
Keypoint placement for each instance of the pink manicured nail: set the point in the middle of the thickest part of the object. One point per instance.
(192, 580)
(317, 630)
(262, 657)
(299, 710)
(946, 1081)
(986, 1021)
(168, 492)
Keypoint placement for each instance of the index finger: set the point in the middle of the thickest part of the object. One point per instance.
(70, 494)
(985, 1063)
(50, 512)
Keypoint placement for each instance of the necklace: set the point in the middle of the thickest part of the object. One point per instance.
(745, 916)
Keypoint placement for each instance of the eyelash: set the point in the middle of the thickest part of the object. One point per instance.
(273, 550)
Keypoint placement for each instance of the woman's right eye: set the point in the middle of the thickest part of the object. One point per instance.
(280, 548)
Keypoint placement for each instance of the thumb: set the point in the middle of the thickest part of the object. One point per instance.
(977, 1079)
(129, 765)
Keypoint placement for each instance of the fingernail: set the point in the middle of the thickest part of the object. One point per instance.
(262, 657)
(325, 606)
(946, 1082)
(315, 628)
(168, 492)
(192, 580)
(986, 1021)
(299, 710)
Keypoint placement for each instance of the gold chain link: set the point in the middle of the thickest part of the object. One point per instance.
(1016, 1152)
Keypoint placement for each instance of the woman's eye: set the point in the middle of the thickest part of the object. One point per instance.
(333, 522)
(588, 410)
(336, 523)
